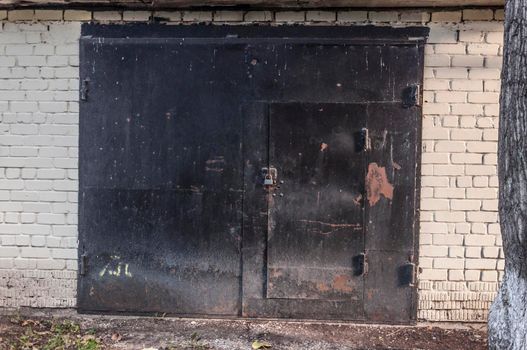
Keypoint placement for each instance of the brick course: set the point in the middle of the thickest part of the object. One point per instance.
(461, 259)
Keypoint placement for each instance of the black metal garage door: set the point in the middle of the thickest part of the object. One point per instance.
(254, 171)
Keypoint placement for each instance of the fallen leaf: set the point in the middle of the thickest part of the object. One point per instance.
(116, 337)
(257, 344)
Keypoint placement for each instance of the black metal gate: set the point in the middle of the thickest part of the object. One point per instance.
(254, 171)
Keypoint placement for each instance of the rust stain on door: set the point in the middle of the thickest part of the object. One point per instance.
(377, 184)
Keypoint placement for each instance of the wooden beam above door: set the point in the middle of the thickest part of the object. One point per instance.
(153, 4)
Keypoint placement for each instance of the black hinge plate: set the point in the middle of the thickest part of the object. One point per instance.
(412, 96)
(84, 89)
(360, 264)
(83, 262)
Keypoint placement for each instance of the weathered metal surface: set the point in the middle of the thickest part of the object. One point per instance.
(174, 214)
(138, 4)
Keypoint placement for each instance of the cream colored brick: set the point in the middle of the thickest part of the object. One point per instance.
(445, 192)
(453, 73)
(446, 16)
(471, 36)
(427, 192)
(462, 228)
(466, 158)
(20, 15)
(426, 263)
(490, 159)
(107, 16)
(480, 240)
(3, 14)
(290, 16)
(449, 169)
(471, 169)
(456, 251)
(450, 121)
(437, 60)
(478, 228)
(434, 250)
(494, 62)
(228, 16)
(467, 85)
(258, 16)
(489, 276)
(454, 96)
(415, 16)
(472, 275)
(491, 110)
(197, 16)
(485, 122)
(442, 35)
(466, 134)
(465, 204)
(493, 181)
(434, 204)
(473, 252)
(436, 134)
(427, 169)
(77, 15)
(484, 73)
(483, 49)
(491, 135)
(434, 181)
(482, 193)
(433, 275)
(494, 38)
(436, 108)
(449, 263)
(321, 16)
(435, 158)
(352, 16)
(467, 61)
(456, 275)
(452, 49)
(478, 15)
(499, 15)
(383, 16)
(466, 109)
(490, 205)
(481, 216)
(482, 147)
(464, 181)
(48, 15)
(450, 216)
(494, 229)
(450, 146)
(481, 181)
(482, 264)
(436, 84)
(136, 15)
(433, 227)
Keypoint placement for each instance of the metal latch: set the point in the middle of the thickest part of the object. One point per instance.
(363, 140)
(269, 176)
(407, 275)
(361, 265)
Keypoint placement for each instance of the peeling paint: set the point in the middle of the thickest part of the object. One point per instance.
(377, 184)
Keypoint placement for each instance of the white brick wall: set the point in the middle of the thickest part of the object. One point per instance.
(461, 259)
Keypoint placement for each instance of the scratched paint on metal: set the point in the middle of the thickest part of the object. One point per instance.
(174, 216)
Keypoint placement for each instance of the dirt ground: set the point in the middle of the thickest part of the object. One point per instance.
(68, 330)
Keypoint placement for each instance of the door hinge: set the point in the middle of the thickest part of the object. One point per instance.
(363, 142)
(82, 264)
(408, 276)
(84, 89)
(361, 265)
(412, 96)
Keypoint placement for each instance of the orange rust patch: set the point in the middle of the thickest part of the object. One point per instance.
(377, 184)
(341, 284)
(323, 287)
